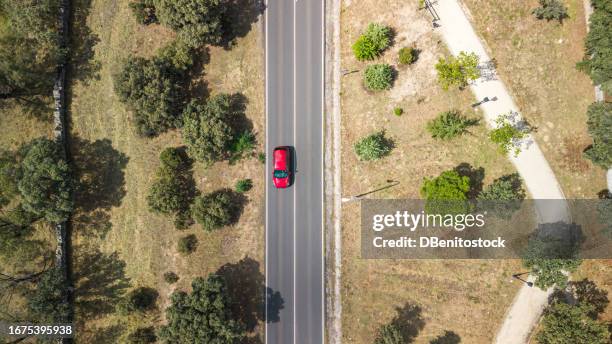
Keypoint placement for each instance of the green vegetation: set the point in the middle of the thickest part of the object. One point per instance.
(447, 193)
(599, 124)
(261, 157)
(378, 77)
(407, 55)
(373, 147)
(571, 324)
(45, 181)
(506, 188)
(244, 144)
(142, 335)
(458, 71)
(398, 111)
(206, 309)
(244, 185)
(214, 210)
(207, 131)
(187, 244)
(389, 334)
(507, 135)
(597, 61)
(170, 277)
(197, 22)
(551, 10)
(144, 11)
(372, 42)
(48, 303)
(139, 300)
(449, 124)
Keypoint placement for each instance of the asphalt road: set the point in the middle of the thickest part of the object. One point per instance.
(294, 216)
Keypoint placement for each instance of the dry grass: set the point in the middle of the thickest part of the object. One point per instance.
(537, 59)
(127, 245)
(463, 296)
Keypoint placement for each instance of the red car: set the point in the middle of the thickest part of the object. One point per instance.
(282, 167)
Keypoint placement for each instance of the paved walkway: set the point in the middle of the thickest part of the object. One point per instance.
(539, 179)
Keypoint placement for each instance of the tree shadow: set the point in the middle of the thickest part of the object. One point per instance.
(252, 340)
(246, 289)
(476, 176)
(449, 337)
(586, 291)
(100, 282)
(83, 67)
(100, 171)
(239, 121)
(197, 85)
(96, 223)
(239, 18)
(408, 321)
(104, 335)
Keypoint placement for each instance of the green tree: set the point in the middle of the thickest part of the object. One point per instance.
(507, 135)
(207, 131)
(372, 42)
(567, 324)
(45, 182)
(597, 61)
(214, 210)
(154, 89)
(373, 147)
(447, 193)
(197, 22)
(29, 53)
(504, 196)
(204, 316)
(139, 300)
(378, 77)
(389, 334)
(551, 10)
(599, 122)
(449, 124)
(48, 302)
(142, 335)
(458, 71)
(187, 244)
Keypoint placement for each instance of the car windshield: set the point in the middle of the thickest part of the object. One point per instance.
(280, 174)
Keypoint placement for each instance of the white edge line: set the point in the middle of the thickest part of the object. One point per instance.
(266, 108)
(323, 170)
(294, 172)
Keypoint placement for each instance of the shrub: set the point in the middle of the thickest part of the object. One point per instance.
(446, 194)
(507, 135)
(457, 71)
(503, 197)
(170, 277)
(245, 143)
(398, 111)
(197, 22)
(140, 300)
(206, 129)
(389, 334)
(406, 55)
(449, 124)
(571, 324)
(187, 244)
(373, 147)
(372, 42)
(144, 11)
(551, 10)
(597, 60)
(142, 335)
(261, 157)
(244, 185)
(214, 210)
(378, 77)
(599, 122)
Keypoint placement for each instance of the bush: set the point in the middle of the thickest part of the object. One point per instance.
(213, 210)
(599, 122)
(507, 135)
(140, 300)
(378, 77)
(597, 60)
(503, 197)
(449, 124)
(170, 277)
(142, 335)
(261, 157)
(571, 324)
(551, 10)
(372, 42)
(398, 111)
(406, 55)
(389, 334)
(187, 244)
(245, 143)
(197, 22)
(373, 147)
(244, 185)
(458, 71)
(144, 11)
(447, 193)
(206, 129)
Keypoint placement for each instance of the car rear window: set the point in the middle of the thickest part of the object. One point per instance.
(280, 174)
